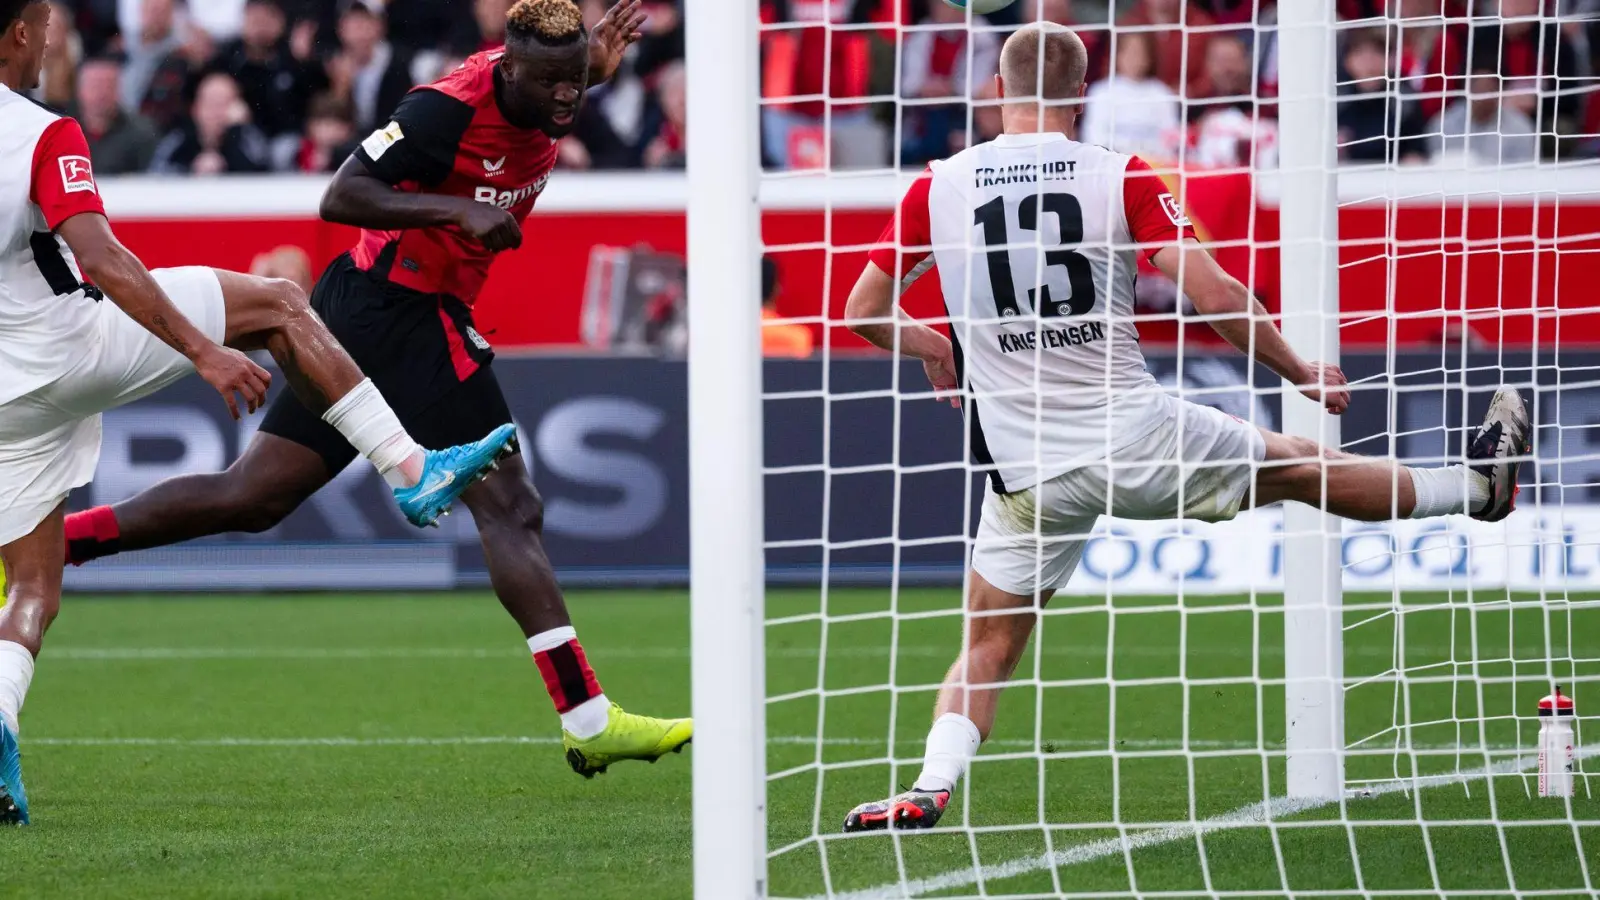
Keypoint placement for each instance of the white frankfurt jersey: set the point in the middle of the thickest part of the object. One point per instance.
(1036, 238)
(46, 314)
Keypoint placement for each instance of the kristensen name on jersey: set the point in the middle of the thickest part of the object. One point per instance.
(1072, 336)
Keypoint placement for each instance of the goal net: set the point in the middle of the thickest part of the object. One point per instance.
(1287, 703)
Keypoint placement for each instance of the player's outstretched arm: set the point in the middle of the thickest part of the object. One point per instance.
(1243, 322)
(358, 197)
(128, 284)
(872, 313)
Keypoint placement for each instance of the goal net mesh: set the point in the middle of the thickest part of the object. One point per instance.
(1140, 748)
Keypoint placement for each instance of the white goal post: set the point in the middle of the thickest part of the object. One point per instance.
(726, 560)
(1309, 217)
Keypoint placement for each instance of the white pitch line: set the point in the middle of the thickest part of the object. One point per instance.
(361, 653)
(787, 740)
(278, 653)
(486, 740)
(798, 740)
(1255, 813)
(291, 742)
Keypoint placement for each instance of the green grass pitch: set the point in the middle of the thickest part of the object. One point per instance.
(402, 746)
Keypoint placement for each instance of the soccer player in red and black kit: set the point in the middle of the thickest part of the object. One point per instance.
(438, 193)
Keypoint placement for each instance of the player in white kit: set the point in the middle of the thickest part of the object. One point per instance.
(1036, 239)
(70, 350)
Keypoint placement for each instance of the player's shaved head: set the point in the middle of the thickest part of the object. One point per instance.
(11, 11)
(22, 42)
(1043, 61)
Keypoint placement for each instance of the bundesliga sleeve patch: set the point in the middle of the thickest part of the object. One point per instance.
(382, 139)
(1174, 211)
(77, 175)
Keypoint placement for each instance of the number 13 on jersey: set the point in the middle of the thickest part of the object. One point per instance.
(998, 236)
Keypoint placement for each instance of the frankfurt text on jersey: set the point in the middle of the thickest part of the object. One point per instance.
(1026, 173)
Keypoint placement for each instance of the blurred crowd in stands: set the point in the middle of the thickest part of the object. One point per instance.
(1499, 81)
(223, 86)
(238, 86)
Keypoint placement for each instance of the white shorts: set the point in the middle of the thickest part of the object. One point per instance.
(1198, 464)
(50, 438)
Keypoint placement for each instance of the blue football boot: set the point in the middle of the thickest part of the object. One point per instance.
(446, 475)
(13, 799)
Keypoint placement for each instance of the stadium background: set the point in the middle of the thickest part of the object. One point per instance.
(213, 122)
(379, 741)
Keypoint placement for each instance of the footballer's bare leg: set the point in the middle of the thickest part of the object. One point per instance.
(33, 583)
(274, 314)
(509, 514)
(264, 485)
(1370, 489)
(33, 597)
(998, 626)
(275, 475)
(1366, 489)
(596, 733)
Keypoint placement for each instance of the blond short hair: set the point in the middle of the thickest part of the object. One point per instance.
(547, 21)
(1043, 61)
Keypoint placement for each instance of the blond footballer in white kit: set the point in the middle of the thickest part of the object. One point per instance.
(1036, 238)
(69, 350)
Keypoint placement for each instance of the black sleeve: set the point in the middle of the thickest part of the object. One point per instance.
(419, 143)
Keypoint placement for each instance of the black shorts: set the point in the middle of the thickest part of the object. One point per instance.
(420, 350)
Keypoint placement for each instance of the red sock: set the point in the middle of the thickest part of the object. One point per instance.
(92, 534)
(566, 671)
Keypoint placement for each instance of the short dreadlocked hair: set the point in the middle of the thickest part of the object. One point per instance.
(546, 21)
(11, 11)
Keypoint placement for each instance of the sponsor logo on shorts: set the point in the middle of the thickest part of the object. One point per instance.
(476, 338)
(77, 175)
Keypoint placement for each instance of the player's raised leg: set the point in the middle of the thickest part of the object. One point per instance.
(1369, 489)
(275, 315)
(274, 476)
(1025, 559)
(263, 486)
(596, 732)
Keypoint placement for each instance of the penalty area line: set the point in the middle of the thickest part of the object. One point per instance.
(1254, 814)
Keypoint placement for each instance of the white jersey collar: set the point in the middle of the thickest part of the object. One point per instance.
(1030, 139)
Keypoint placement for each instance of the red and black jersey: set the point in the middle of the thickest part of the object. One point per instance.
(450, 138)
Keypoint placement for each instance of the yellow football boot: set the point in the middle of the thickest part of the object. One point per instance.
(627, 736)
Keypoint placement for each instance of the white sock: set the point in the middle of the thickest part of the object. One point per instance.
(588, 718)
(16, 671)
(952, 743)
(549, 640)
(1447, 490)
(367, 422)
